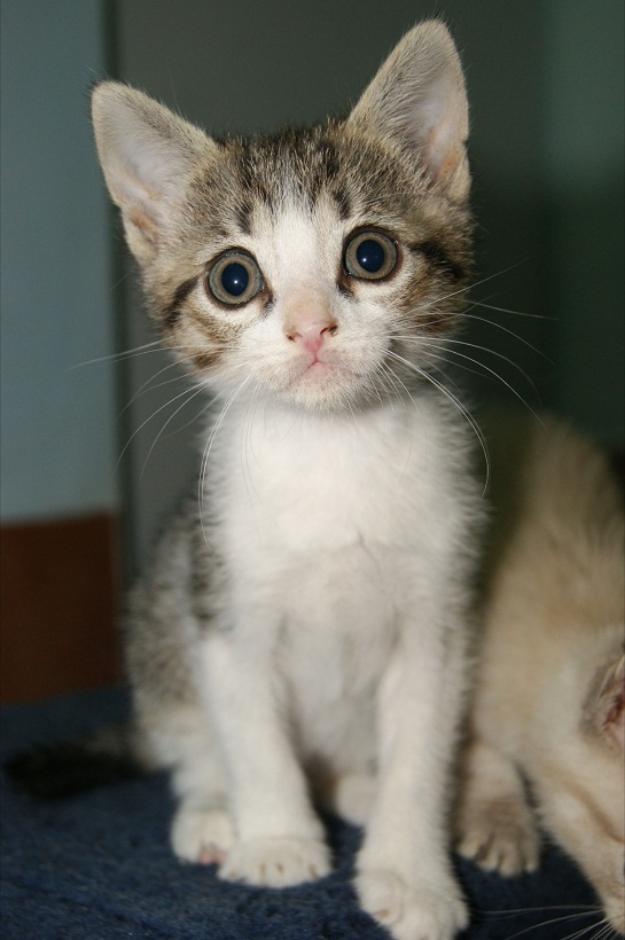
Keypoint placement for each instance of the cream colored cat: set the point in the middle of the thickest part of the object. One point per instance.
(550, 692)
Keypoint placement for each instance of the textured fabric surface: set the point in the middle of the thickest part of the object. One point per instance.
(99, 865)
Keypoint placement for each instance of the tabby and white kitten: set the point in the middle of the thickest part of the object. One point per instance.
(306, 623)
(550, 695)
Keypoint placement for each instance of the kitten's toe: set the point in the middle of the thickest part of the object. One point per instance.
(202, 835)
(276, 863)
(412, 913)
(500, 835)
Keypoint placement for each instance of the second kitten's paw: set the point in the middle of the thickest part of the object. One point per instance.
(500, 835)
(419, 913)
(276, 863)
(201, 835)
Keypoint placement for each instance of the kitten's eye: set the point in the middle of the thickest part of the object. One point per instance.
(234, 278)
(370, 256)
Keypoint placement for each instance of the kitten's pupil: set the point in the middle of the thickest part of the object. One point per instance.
(235, 279)
(370, 255)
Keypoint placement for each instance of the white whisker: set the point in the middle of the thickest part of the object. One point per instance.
(112, 357)
(149, 348)
(458, 404)
(250, 415)
(147, 386)
(436, 357)
(209, 446)
(194, 392)
(516, 313)
(421, 340)
(196, 414)
(583, 930)
(555, 920)
(484, 280)
(395, 379)
(482, 365)
(605, 929)
(149, 418)
(505, 329)
(509, 912)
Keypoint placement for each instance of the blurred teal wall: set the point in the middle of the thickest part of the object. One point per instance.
(58, 423)
(546, 85)
(584, 159)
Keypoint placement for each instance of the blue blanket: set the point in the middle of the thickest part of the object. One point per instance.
(99, 866)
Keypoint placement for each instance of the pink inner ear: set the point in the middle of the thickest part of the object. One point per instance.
(614, 723)
(604, 711)
(443, 151)
(144, 222)
(612, 705)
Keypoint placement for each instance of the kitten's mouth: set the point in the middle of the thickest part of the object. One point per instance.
(318, 368)
(321, 380)
(317, 375)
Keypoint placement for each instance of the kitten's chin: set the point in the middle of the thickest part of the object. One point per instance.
(324, 387)
(319, 387)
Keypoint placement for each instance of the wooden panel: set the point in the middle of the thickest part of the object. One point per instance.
(58, 607)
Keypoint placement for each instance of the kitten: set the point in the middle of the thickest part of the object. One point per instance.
(550, 692)
(305, 624)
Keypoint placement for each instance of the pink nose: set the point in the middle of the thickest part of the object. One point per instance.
(312, 335)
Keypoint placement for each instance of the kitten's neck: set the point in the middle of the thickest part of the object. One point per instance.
(243, 404)
(269, 437)
(273, 418)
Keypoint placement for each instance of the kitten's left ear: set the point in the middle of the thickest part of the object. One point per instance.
(418, 99)
(604, 711)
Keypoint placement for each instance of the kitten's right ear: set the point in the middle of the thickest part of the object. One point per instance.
(604, 710)
(148, 155)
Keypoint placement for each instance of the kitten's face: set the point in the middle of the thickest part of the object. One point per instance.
(317, 267)
(330, 257)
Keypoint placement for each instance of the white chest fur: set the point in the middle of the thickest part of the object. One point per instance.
(329, 526)
(298, 484)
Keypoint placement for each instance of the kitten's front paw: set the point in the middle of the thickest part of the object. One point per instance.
(500, 835)
(420, 913)
(276, 863)
(201, 835)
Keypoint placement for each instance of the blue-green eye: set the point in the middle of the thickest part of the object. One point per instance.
(370, 255)
(234, 278)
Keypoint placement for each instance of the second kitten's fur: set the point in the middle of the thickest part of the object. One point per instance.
(550, 691)
(306, 623)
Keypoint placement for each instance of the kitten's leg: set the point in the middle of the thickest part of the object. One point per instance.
(181, 738)
(202, 829)
(495, 826)
(350, 795)
(405, 878)
(279, 839)
(354, 796)
(203, 832)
